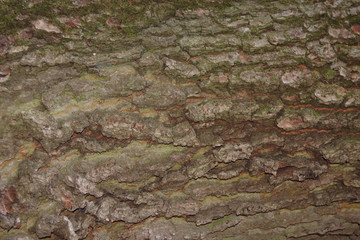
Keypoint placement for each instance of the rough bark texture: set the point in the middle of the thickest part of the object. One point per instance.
(179, 119)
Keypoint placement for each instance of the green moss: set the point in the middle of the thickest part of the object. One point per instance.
(128, 12)
(264, 108)
(354, 19)
(112, 185)
(194, 4)
(221, 222)
(295, 21)
(46, 8)
(12, 233)
(203, 102)
(274, 236)
(130, 31)
(303, 60)
(23, 105)
(322, 31)
(291, 112)
(314, 112)
(323, 187)
(201, 152)
(340, 168)
(9, 10)
(328, 73)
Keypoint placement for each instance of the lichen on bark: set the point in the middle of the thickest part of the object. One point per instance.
(129, 119)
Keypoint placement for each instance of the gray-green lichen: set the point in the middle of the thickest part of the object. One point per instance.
(129, 119)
